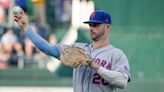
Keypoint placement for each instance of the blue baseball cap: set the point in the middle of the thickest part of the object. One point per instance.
(99, 17)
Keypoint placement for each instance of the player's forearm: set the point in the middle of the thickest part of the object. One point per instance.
(115, 78)
(42, 44)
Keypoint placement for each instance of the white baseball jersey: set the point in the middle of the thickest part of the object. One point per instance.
(86, 79)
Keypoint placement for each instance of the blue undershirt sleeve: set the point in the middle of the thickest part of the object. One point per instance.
(42, 44)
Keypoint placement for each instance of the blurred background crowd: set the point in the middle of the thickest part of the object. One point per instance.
(15, 48)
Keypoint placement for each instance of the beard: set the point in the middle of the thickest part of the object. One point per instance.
(96, 37)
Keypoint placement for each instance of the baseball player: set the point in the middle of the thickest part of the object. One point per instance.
(109, 69)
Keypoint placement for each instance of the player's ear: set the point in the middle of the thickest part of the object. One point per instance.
(108, 26)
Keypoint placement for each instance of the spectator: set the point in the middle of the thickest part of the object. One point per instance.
(3, 58)
(2, 21)
(8, 40)
(11, 47)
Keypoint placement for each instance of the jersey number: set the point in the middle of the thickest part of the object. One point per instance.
(98, 80)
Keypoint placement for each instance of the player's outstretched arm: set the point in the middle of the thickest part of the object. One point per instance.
(42, 44)
(22, 20)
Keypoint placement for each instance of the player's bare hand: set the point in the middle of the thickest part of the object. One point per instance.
(95, 66)
(20, 18)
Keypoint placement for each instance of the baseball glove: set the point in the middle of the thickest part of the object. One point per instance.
(74, 57)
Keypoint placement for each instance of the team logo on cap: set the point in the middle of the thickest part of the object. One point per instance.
(106, 20)
(93, 15)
